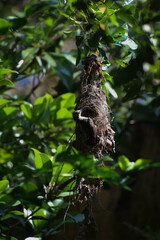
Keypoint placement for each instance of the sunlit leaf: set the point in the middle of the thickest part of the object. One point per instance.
(71, 4)
(39, 218)
(123, 162)
(4, 71)
(41, 108)
(142, 163)
(3, 185)
(118, 33)
(6, 113)
(41, 160)
(113, 19)
(3, 102)
(66, 194)
(27, 109)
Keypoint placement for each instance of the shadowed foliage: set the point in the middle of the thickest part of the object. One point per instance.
(47, 48)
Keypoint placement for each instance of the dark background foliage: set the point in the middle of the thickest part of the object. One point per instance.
(42, 44)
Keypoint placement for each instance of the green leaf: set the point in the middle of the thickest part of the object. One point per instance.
(6, 82)
(4, 71)
(127, 58)
(130, 9)
(123, 62)
(106, 91)
(49, 59)
(39, 218)
(104, 173)
(27, 192)
(123, 162)
(15, 212)
(108, 77)
(29, 187)
(4, 26)
(49, 22)
(71, 4)
(118, 33)
(3, 102)
(65, 173)
(41, 104)
(63, 114)
(27, 109)
(67, 169)
(3, 185)
(126, 17)
(142, 163)
(41, 160)
(6, 113)
(66, 100)
(113, 19)
(29, 52)
(41, 109)
(62, 108)
(66, 194)
(65, 68)
(58, 202)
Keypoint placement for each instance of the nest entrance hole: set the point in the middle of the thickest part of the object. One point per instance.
(89, 112)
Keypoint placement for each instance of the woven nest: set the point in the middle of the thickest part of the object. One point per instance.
(94, 134)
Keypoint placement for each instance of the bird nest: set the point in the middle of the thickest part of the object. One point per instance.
(94, 134)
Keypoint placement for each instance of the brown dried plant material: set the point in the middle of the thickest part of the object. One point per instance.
(94, 134)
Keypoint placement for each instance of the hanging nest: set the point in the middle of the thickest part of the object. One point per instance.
(94, 134)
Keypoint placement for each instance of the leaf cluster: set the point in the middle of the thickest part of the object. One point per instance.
(38, 173)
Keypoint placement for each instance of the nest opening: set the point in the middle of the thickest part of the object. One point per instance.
(89, 112)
